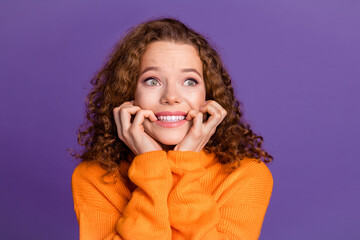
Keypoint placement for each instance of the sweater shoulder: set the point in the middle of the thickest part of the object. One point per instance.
(88, 170)
(93, 171)
(93, 187)
(252, 182)
(256, 174)
(254, 168)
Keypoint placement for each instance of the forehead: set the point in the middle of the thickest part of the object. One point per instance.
(166, 53)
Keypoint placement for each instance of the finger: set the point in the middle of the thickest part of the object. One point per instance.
(191, 115)
(125, 116)
(150, 115)
(218, 107)
(198, 122)
(214, 120)
(141, 115)
(215, 115)
(116, 110)
(117, 122)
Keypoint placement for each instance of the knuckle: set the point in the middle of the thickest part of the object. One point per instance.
(141, 111)
(146, 112)
(218, 116)
(123, 110)
(214, 103)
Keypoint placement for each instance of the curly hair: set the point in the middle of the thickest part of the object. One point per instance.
(115, 84)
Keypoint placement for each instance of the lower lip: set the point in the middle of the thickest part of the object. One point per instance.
(170, 124)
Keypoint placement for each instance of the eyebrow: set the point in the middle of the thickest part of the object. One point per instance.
(183, 70)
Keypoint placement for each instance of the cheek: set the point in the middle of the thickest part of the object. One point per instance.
(142, 99)
(196, 100)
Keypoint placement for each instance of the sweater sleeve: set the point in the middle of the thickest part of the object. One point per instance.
(98, 201)
(111, 211)
(235, 211)
(146, 215)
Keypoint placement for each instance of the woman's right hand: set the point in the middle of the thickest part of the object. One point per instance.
(133, 134)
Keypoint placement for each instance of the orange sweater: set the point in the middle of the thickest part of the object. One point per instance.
(172, 195)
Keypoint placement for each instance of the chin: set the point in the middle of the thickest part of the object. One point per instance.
(167, 136)
(169, 140)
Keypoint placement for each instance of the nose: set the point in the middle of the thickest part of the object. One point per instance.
(171, 95)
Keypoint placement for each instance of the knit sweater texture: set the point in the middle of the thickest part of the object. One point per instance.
(172, 195)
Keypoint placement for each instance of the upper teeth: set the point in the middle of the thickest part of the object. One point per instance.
(171, 118)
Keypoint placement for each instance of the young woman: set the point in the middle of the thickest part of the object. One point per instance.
(167, 154)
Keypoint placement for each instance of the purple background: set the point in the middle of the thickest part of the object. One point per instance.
(295, 66)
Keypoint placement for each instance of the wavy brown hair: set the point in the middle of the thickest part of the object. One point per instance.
(115, 84)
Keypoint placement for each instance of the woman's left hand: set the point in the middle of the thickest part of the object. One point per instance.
(200, 132)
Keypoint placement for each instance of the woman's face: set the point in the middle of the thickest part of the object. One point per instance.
(170, 84)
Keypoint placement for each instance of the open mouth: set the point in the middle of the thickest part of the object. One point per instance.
(170, 118)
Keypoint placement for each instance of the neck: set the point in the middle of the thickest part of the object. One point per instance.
(167, 147)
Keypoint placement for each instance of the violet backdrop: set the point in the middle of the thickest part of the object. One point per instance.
(295, 66)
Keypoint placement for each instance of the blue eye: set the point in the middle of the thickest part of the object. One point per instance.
(191, 82)
(151, 82)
